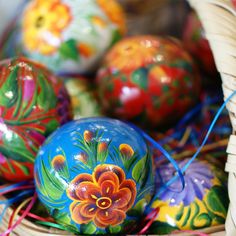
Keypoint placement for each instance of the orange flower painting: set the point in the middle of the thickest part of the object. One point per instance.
(114, 12)
(42, 28)
(88, 136)
(126, 150)
(133, 53)
(103, 197)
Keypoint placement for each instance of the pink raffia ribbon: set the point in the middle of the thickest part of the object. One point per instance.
(32, 202)
(150, 217)
(39, 218)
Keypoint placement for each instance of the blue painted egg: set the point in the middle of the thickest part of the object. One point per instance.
(95, 176)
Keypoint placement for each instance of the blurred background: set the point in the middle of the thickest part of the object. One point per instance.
(143, 16)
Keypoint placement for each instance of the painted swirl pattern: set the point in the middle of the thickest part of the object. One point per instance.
(33, 103)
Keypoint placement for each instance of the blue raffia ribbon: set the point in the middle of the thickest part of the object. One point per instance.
(29, 186)
(156, 145)
(180, 172)
(209, 131)
(195, 111)
(25, 189)
(188, 118)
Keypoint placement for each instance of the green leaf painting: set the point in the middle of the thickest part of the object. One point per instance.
(204, 219)
(89, 228)
(64, 219)
(141, 170)
(139, 77)
(196, 215)
(19, 152)
(9, 90)
(116, 36)
(51, 188)
(94, 150)
(46, 98)
(114, 229)
(51, 126)
(161, 228)
(183, 64)
(68, 50)
(217, 200)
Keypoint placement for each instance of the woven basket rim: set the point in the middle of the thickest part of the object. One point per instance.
(33, 229)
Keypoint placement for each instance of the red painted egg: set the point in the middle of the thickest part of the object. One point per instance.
(198, 46)
(151, 80)
(33, 103)
(234, 3)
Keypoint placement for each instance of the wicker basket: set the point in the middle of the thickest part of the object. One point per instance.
(219, 20)
(30, 229)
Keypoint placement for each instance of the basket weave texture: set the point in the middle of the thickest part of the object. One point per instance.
(219, 21)
(30, 229)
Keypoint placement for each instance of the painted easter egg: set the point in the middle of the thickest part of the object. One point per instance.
(202, 203)
(95, 176)
(234, 3)
(198, 46)
(33, 103)
(69, 36)
(83, 99)
(147, 79)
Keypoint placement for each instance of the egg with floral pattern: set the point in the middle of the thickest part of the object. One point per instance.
(196, 43)
(69, 36)
(149, 80)
(83, 97)
(33, 103)
(95, 176)
(202, 203)
(234, 3)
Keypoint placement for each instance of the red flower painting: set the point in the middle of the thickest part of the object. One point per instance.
(103, 197)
